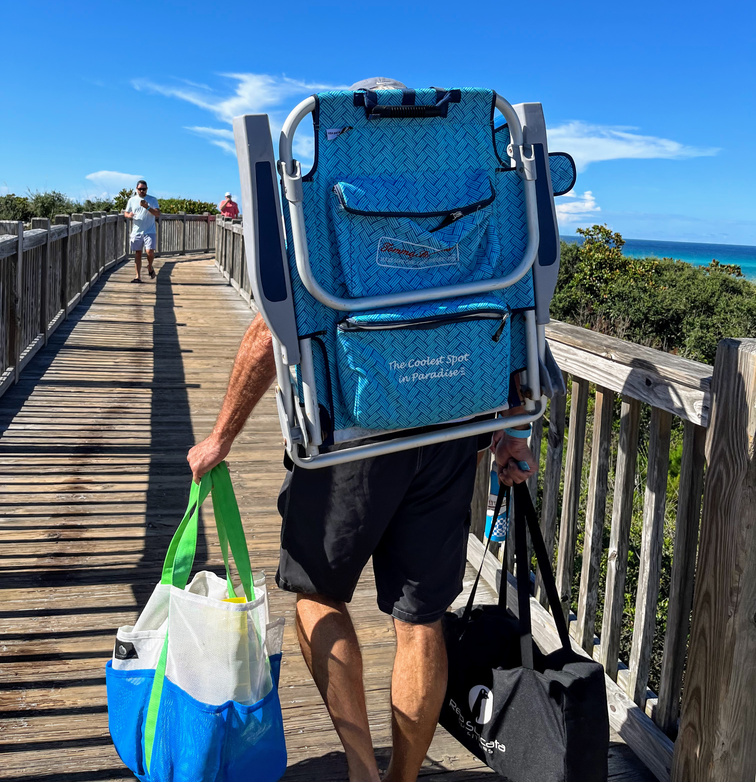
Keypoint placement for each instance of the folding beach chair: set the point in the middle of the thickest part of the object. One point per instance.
(409, 276)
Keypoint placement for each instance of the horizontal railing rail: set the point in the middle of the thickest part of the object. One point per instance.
(181, 233)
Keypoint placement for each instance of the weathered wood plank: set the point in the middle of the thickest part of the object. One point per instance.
(649, 573)
(622, 513)
(716, 740)
(598, 483)
(572, 477)
(689, 495)
(675, 369)
(649, 381)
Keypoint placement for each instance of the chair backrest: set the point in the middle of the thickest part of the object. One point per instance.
(415, 274)
(409, 190)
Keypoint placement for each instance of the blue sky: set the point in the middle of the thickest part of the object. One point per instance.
(654, 100)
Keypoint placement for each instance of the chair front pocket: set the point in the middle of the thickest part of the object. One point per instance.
(401, 235)
(418, 365)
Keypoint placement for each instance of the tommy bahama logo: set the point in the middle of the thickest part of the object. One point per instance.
(399, 253)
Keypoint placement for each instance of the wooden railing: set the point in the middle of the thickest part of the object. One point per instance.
(588, 501)
(44, 272)
(229, 255)
(582, 489)
(183, 233)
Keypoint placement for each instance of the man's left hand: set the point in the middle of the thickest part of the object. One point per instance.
(512, 454)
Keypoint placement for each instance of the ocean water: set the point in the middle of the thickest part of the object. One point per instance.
(697, 253)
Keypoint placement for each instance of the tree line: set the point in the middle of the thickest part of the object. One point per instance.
(47, 204)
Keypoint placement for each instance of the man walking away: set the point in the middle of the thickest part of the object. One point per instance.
(228, 207)
(143, 209)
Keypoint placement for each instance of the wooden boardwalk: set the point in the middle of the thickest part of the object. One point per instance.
(92, 464)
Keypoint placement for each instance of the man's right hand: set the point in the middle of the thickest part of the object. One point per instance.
(206, 455)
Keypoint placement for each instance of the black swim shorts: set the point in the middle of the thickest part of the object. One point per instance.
(409, 510)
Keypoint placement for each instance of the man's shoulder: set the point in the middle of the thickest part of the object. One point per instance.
(132, 200)
(152, 200)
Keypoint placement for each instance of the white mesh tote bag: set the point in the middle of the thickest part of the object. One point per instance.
(193, 685)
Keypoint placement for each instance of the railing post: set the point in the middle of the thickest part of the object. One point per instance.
(102, 235)
(649, 573)
(619, 537)
(44, 273)
(159, 248)
(78, 217)
(572, 475)
(88, 216)
(16, 280)
(182, 252)
(64, 220)
(716, 740)
(207, 231)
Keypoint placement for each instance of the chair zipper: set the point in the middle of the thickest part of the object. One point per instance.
(431, 322)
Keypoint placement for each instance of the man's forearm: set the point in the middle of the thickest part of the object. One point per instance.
(254, 370)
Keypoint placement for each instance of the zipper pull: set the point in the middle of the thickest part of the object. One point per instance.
(452, 217)
(497, 334)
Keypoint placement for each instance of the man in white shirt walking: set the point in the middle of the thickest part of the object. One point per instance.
(143, 209)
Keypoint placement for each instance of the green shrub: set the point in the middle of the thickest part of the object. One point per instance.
(51, 203)
(172, 206)
(169, 206)
(663, 303)
(13, 207)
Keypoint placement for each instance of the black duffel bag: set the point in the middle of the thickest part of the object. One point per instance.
(528, 715)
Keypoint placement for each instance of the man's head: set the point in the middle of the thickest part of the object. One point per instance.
(228, 195)
(141, 188)
(378, 83)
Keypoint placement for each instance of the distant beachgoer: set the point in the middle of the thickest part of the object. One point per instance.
(143, 209)
(228, 207)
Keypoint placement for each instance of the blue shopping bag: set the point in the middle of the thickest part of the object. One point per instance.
(193, 686)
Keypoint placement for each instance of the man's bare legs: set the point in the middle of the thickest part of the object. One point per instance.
(150, 261)
(332, 654)
(418, 685)
(138, 264)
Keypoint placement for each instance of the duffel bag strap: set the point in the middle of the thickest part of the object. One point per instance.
(525, 513)
(500, 498)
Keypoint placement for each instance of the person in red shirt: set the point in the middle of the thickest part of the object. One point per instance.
(228, 207)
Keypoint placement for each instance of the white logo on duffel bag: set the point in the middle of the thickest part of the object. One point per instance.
(482, 694)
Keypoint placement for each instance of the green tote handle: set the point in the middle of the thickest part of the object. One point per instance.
(179, 560)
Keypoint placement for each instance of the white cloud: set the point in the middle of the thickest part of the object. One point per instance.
(592, 143)
(254, 93)
(576, 208)
(4, 190)
(110, 182)
(220, 137)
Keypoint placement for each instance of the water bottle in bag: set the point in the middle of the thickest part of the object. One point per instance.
(501, 523)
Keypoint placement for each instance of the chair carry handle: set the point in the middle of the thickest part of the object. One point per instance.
(408, 108)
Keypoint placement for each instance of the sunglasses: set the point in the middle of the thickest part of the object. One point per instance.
(139, 190)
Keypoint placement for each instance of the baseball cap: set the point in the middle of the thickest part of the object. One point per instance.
(228, 193)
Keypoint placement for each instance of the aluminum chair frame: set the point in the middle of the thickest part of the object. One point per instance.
(271, 285)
